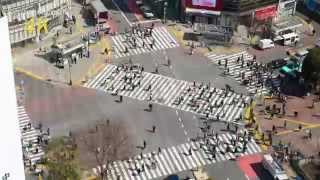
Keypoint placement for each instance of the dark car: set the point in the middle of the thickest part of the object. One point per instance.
(276, 64)
(147, 13)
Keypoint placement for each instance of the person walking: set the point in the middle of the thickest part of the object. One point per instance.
(153, 128)
(144, 144)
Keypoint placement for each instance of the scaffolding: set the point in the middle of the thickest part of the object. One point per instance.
(20, 13)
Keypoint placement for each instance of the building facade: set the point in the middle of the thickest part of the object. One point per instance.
(313, 5)
(11, 164)
(229, 12)
(25, 13)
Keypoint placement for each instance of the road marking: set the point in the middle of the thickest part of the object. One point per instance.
(298, 122)
(182, 125)
(147, 21)
(180, 119)
(296, 130)
(125, 17)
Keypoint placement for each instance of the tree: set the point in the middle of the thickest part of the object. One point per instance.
(311, 66)
(60, 160)
(105, 143)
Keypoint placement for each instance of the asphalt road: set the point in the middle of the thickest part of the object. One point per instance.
(191, 68)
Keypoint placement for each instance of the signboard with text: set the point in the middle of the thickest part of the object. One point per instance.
(266, 12)
(211, 5)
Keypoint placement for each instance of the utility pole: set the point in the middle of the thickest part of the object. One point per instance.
(165, 5)
(70, 80)
(37, 6)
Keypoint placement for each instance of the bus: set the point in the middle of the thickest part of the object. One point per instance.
(274, 168)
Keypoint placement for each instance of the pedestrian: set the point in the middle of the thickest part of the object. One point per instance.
(144, 144)
(273, 128)
(106, 51)
(300, 127)
(120, 98)
(48, 131)
(285, 124)
(309, 134)
(153, 128)
(228, 126)
(190, 151)
(159, 150)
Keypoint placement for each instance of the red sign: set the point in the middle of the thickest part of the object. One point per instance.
(192, 4)
(265, 13)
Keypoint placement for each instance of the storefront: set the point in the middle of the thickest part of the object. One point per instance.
(202, 11)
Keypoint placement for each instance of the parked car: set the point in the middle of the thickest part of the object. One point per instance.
(147, 13)
(265, 44)
(278, 63)
(93, 38)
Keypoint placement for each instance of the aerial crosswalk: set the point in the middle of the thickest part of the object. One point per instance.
(180, 158)
(160, 38)
(32, 151)
(200, 99)
(235, 70)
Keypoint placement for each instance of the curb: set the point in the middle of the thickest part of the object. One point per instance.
(28, 73)
(92, 71)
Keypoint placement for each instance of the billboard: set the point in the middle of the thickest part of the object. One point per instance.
(211, 5)
(266, 12)
(207, 3)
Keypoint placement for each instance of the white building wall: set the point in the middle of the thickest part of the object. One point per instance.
(11, 160)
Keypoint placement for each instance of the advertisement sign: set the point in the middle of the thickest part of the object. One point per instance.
(207, 3)
(265, 13)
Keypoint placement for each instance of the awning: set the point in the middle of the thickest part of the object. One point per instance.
(202, 11)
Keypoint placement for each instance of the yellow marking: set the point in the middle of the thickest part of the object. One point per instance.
(297, 130)
(28, 73)
(296, 122)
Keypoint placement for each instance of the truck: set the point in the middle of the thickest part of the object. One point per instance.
(274, 168)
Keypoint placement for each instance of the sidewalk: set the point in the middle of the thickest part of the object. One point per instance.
(25, 60)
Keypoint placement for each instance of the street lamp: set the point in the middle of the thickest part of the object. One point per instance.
(165, 5)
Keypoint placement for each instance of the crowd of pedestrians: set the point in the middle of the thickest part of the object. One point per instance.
(250, 72)
(202, 99)
(136, 37)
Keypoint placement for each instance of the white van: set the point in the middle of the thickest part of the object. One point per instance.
(265, 44)
(274, 168)
(290, 39)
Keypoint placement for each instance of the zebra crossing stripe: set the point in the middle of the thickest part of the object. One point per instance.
(168, 163)
(176, 159)
(176, 162)
(163, 40)
(165, 90)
